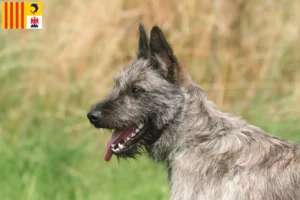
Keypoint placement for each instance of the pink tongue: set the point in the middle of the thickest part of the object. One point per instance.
(116, 137)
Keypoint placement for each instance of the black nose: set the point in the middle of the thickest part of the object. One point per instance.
(94, 116)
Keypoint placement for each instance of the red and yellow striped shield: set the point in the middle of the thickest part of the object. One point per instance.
(21, 15)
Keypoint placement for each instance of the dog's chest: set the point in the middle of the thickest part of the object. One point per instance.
(200, 178)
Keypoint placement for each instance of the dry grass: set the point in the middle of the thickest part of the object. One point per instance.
(231, 48)
(239, 51)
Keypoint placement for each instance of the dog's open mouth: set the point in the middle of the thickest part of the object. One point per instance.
(123, 140)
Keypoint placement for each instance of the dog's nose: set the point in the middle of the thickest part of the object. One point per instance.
(94, 116)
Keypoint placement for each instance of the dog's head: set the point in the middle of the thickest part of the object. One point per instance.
(145, 99)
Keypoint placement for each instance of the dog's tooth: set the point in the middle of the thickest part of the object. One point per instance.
(113, 145)
(133, 134)
(121, 146)
(127, 139)
(116, 150)
(137, 130)
(141, 125)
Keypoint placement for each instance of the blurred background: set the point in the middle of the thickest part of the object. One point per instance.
(244, 54)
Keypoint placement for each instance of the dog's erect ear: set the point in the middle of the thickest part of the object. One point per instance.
(143, 51)
(162, 54)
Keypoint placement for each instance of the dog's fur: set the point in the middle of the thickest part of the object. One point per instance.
(210, 154)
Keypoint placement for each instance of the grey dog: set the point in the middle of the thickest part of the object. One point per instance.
(211, 155)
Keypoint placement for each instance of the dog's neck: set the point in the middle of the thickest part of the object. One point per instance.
(203, 115)
(197, 115)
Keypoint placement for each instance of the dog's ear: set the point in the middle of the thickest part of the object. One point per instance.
(162, 56)
(143, 50)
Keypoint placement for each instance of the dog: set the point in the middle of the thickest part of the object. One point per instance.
(210, 155)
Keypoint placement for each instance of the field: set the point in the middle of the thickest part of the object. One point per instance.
(244, 54)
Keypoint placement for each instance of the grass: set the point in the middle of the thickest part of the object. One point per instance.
(244, 55)
(44, 162)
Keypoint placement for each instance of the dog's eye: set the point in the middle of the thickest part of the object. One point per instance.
(136, 90)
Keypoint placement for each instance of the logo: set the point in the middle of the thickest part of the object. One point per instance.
(34, 21)
(35, 8)
(22, 15)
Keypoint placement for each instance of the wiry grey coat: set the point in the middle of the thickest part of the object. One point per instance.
(210, 155)
(216, 156)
